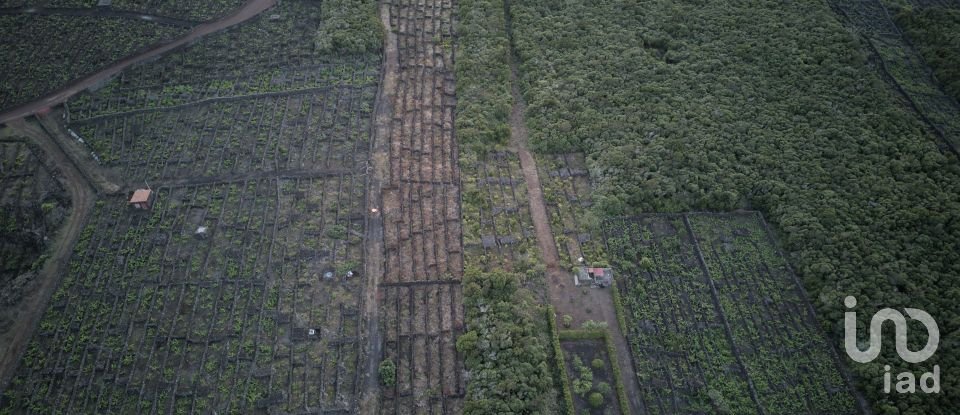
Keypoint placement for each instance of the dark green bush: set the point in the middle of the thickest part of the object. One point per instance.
(350, 27)
(484, 100)
(388, 372)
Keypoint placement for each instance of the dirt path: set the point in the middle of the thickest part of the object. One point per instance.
(377, 173)
(248, 11)
(581, 303)
(31, 308)
(101, 178)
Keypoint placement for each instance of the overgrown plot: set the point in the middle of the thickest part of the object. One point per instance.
(33, 205)
(731, 333)
(498, 230)
(568, 193)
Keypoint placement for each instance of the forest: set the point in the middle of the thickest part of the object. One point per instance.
(483, 75)
(769, 105)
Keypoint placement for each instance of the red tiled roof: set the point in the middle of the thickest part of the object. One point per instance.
(140, 196)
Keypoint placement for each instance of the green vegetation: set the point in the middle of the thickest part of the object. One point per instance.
(596, 400)
(180, 9)
(936, 33)
(37, 58)
(733, 326)
(350, 27)
(505, 352)
(264, 55)
(388, 372)
(33, 205)
(240, 316)
(725, 104)
(483, 75)
(580, 368)
(560, 369)
(183, 9)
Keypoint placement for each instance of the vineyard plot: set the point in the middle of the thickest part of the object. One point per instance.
(59, 49)
(178, 9)
(498, 230)
(420, 295)
(422, 200)
(154, 318)
(719, 321)
(170, 86)
(421, 329)
(324, 130)
(274, 52)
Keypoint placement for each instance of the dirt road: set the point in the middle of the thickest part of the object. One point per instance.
(378, 173)
(579, 302)
(249, 10)
(14, 341)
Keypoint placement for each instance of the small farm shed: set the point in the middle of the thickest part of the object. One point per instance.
(597, 277)
(141, 199)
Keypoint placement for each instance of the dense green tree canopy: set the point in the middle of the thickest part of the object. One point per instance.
(505, 355)
(350, 27)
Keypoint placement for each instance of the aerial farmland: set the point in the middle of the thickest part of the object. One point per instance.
(479, 207)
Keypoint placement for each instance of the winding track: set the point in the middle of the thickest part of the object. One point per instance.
(249, 10)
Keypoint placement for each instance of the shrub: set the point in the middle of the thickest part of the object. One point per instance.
(388, 372)
(604, 388)
(598, 363)
(350, 27)
(595, 400)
